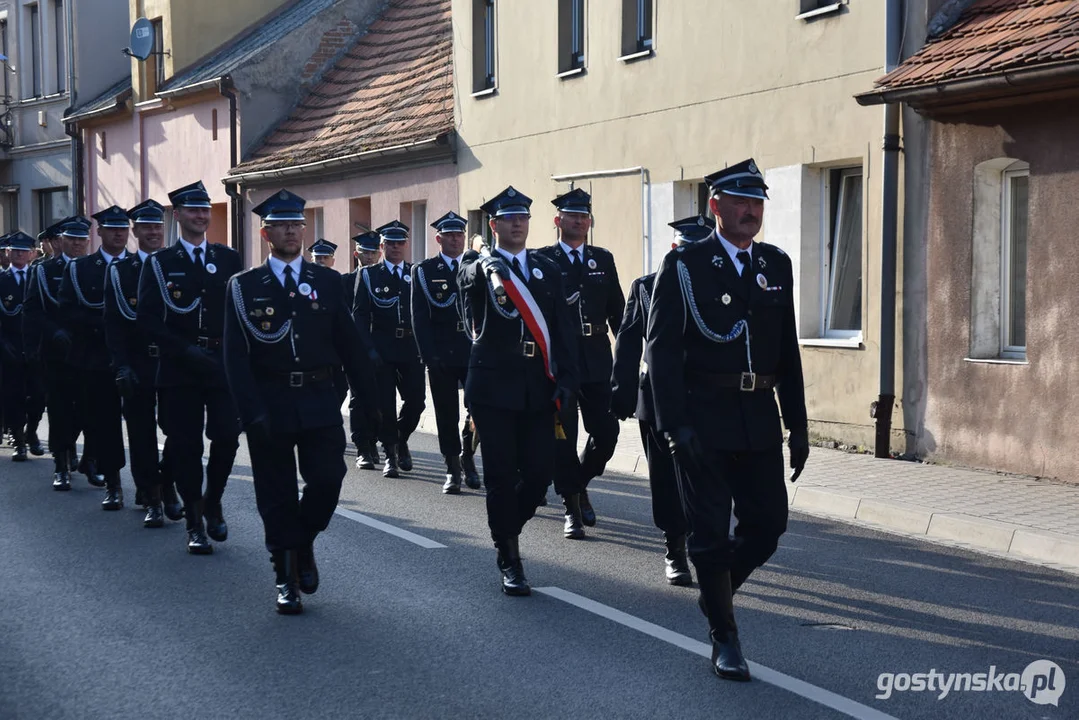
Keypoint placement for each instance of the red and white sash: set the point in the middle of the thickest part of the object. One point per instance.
(532, 316)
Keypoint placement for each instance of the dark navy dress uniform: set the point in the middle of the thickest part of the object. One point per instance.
(363, 435)
(508, 392)
(181, 308)
(22, 397)
(82, 314)
(287, 327)
(632, 395)
(133, 357)
(384, 317)
(722, 342)
(596, 302)
(47, 339)
(445, 346)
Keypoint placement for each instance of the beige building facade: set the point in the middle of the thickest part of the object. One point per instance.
(637, 100)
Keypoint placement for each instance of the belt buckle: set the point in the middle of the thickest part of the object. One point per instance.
(399, 333)
(528, 348)
(460, 326)
(203, 342)
(295, 379)
(748, 382)
(586, 329)
(153, 350)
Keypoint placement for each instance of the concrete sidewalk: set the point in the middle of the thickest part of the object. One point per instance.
(1021, 518)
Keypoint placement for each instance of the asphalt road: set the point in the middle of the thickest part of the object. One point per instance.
(103, 619)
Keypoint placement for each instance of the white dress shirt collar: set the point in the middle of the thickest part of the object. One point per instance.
(277, 266)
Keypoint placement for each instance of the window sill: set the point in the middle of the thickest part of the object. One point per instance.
(570, 73)
(637, 55)
(996, 361)
(485, 93)
(854, 342)
(41, 99)
(824, 10)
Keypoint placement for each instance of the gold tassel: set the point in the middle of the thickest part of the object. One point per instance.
(559, 431)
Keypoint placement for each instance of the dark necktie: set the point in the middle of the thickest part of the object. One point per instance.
(19, 276)
(575, 268)
(515, 265)
(453, 266)
(576, 256)
(747, 268)
(200, 269)
(290, 282)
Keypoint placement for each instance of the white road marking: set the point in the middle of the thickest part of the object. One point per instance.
(807, 690)
(387, 528)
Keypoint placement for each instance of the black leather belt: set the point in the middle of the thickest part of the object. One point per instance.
(460, 326)
(746, 382)
(528, 348)
(403, 332)
(586, 330)
(208, 343)
(299, 378)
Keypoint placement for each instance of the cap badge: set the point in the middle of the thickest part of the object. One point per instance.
(700, 221)
(537, 273)
(511, 193)
(752, 167)
(283, 195)
(726, 299)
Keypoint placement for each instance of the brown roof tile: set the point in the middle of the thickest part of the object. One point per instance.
(990, 37)
(393, 88)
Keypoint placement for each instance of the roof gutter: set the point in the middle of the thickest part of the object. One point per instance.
(121, 99)
(321, 166)
(942, 92)
(216, 83)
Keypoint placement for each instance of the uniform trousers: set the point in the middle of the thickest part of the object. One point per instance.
(446, 396)
(291, 522)
(518, 458)
(406, 378)
(754, 481)
(573, 472)
(23, 396)
(140, 414)
(361, 430)
(103, 430)
(667, 511)
(184, 412)
(64, 406)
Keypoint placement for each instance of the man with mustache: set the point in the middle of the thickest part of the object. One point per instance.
(722, 341)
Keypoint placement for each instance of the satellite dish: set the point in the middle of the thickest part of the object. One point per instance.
(142, 39)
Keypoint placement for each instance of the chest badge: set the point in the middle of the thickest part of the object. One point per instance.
(726, 299)
(269, 312)
(761, 262)
(591, 263)
(132, 301)
(501, 299)
(265, 325)
(762, 281)
(256, 312)
(211, 268)
(537, 273)
(408, 278)
(305, 289)
(176, 294)
(314, 306)
(716, 260)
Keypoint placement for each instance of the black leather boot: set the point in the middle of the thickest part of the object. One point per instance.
(20, 446)
(155, 515)
(677, 564)
(404, 457)
(197, 542)
(214, 516)
(307, 569)
(390, 470)
(717, 599)
(588, 515)
(285, 565)
(468, 465)
(61, 481)
(514, 581)
(170, 503)
(114, 494)
(89, 469)
(367, 459)
(453, 476)
(34, 443)
(573, 529)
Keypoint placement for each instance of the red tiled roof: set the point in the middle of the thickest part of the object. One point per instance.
(990, 37)
(393, 88)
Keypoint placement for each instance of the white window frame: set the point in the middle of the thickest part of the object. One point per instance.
(1015, 170)
(828, 232)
